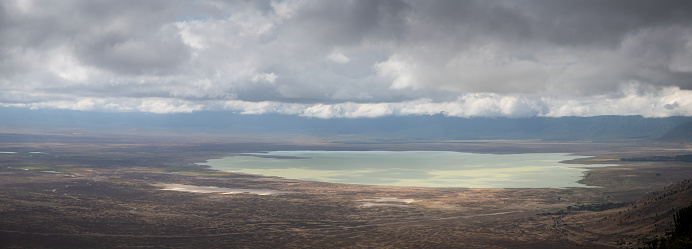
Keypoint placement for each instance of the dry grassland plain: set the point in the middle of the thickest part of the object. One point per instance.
(144, 189)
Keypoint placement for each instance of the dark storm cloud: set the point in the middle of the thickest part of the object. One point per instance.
(350, 22)
(160, 52)
(604, 22)
(450, 30)
(350, 58)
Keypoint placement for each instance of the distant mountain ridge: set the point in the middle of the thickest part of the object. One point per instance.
(414, 127)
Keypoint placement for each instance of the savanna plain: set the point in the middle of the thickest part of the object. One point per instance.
(125, 189)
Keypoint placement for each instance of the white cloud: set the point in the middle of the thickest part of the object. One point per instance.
(338, 57)
(151, 105)
(264, 77)
(166, 106)
(397, 70)
(285, 9)
(670, 101)
(346, 59)
(62, 62)
(631, 100)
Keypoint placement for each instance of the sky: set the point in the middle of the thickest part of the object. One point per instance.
(349, 59)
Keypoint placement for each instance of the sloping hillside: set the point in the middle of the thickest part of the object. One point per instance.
(632, 225)
(681, 133)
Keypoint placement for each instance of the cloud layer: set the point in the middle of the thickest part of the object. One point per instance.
(350, 58)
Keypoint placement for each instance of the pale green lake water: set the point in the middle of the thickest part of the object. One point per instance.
(412, 168)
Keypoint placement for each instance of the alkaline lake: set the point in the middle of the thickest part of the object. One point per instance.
(412, 168)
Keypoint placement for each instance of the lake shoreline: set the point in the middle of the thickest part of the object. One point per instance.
(443, 169)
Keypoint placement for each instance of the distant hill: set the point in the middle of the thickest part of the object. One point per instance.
(413, 127)
(682, 133)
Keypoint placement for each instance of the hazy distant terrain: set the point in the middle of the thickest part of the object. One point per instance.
(681, 133)
(413, 127)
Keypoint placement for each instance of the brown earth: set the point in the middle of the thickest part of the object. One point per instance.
(101, 190)
(644, 219)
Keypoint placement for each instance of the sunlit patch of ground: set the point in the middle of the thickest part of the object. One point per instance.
(385, 202)
(212, 189)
